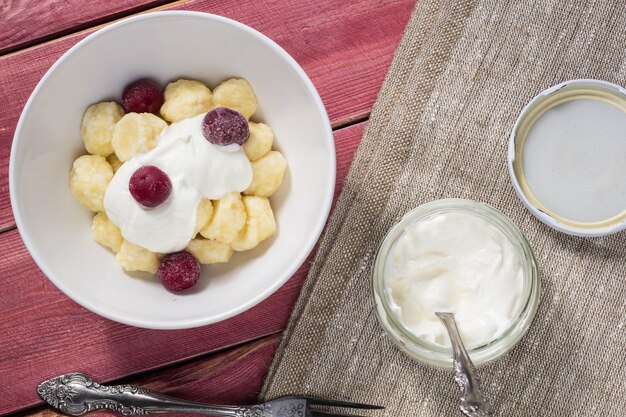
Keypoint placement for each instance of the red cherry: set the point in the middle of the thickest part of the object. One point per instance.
(150, 186)
(223, 126)
(142, 96)
(179, 271)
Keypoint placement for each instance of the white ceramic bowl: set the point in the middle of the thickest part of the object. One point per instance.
(166, 46)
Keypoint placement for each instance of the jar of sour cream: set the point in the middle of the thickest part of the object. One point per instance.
(457, 256)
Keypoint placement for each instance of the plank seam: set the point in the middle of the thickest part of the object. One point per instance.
(349, 122)
(84, 26)
(41, 406)
(7, 228)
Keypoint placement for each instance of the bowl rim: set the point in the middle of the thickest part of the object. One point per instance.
(297, 261)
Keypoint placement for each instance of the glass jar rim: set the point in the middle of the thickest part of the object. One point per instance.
(491, 349)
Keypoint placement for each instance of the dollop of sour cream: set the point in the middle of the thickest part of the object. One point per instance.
(197, 169)
(454, 262)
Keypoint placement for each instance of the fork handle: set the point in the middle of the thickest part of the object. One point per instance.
(76, 394)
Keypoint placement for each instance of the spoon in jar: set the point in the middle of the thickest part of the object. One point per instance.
(473, 403)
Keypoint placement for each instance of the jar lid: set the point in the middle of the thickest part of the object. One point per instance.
(567, 157)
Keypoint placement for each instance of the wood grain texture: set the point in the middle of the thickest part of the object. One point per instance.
(345, 47)
(234, 376)
(43, 333)
(25, 22)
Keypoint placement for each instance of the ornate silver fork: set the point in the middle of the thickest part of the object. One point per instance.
(76, 394)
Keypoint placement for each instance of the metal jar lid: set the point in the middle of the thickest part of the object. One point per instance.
(567, 157)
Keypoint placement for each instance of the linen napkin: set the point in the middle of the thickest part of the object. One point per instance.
(440, 127)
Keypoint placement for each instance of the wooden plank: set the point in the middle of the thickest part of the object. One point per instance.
(233, 377)
(345, 47)
(43, 333)
(26, 22)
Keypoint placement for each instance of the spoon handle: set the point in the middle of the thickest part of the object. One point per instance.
(473, 403)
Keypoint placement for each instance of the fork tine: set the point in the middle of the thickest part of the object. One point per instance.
(334, 403)
(323, 414)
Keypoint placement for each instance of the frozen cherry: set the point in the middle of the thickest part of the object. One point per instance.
(150, 186)
(179, 271)
(223, 126)
(142, 96)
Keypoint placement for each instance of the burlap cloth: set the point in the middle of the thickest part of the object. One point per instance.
(460, 77)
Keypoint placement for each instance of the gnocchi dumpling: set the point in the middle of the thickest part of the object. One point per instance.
(89, 179)
(259, 142)
(114, 161)
(236, 94)
(210, 251)
(184, 99)
(260, 224)
(238, 221)
(97, 126)
(203, 214)
(106, 233)
(229, 217)
(267, 175)
(136, 133)
(135, 258)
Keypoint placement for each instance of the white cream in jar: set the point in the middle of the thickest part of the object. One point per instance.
(454, 262)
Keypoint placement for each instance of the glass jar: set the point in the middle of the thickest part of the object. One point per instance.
(434, 354)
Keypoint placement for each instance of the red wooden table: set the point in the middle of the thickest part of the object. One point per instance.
(344, 46)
